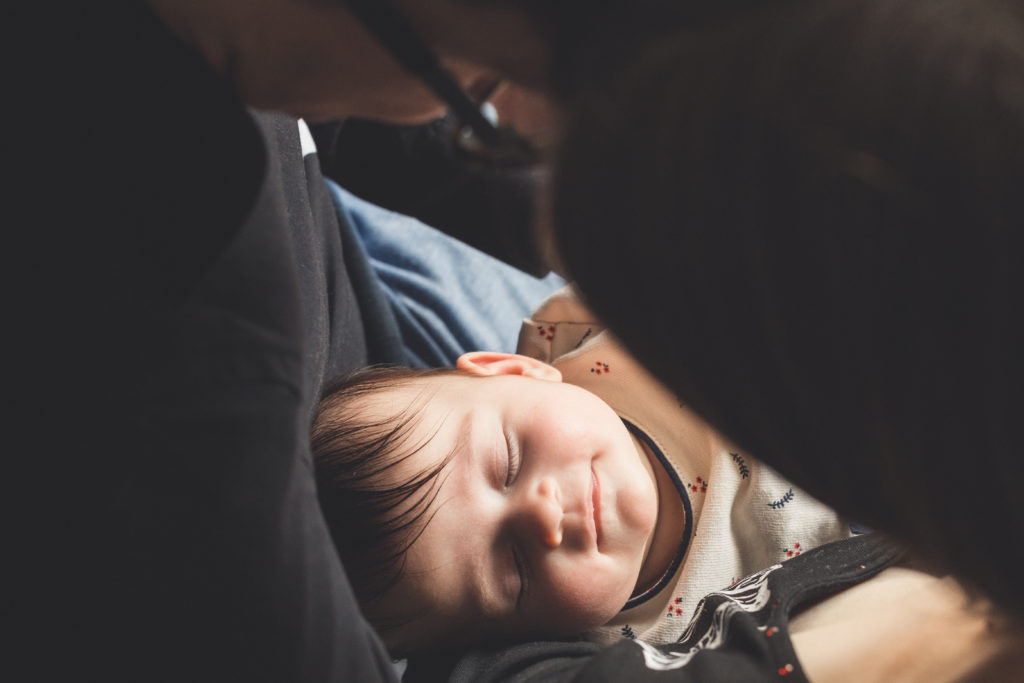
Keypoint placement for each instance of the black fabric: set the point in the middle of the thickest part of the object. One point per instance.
(755, 645)
(177, 292)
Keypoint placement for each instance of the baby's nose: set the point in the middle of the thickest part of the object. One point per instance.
(544, 513)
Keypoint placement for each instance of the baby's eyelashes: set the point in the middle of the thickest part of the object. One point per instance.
(520, 564)
(514, 461)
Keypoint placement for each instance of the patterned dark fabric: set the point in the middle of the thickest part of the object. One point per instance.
(738, 634)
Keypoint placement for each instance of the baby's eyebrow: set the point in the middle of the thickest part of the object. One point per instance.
(464, 435)
(461, 442)
(464, 449)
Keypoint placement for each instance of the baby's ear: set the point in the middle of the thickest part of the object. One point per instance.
(496, 363)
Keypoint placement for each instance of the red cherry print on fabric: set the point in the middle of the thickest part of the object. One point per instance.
(674, 609)
(700, 487)
(794, 551)
(546, 332)
(600, 368)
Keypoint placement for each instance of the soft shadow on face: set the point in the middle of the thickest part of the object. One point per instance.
(528, 454)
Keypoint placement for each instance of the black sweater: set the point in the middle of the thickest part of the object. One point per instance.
(738, 634)
(178, 291)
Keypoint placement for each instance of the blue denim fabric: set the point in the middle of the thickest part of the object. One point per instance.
(447, 297)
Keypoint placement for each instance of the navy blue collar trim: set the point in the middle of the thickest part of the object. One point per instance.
(687, 531)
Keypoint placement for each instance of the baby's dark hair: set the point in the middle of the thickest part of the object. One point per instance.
(373, 515)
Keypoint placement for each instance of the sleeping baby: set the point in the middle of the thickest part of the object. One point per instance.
(559, 492)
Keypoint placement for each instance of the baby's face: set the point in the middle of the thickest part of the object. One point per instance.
(542, 519)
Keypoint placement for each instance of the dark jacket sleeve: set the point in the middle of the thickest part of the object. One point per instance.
(740, 633)
(157, 354)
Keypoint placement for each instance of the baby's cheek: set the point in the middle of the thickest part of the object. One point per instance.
(637, 503)
(584, 599)
(639, 513)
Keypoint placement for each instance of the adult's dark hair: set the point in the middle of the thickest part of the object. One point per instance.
(808, 221)
(373, 514)
(588, 38)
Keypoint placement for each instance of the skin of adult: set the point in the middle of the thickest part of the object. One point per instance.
(314, 59)
(833, 191)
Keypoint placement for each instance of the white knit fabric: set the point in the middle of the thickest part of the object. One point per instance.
(745, 516)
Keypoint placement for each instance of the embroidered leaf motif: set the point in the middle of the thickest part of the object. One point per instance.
(741, 464)
(781, 502)
(583, 338)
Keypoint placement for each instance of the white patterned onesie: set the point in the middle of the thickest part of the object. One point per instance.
(741, 516)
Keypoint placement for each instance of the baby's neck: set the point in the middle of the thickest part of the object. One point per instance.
(669, 529)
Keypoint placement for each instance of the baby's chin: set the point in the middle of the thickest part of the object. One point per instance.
(569, 622)
(599, 610)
